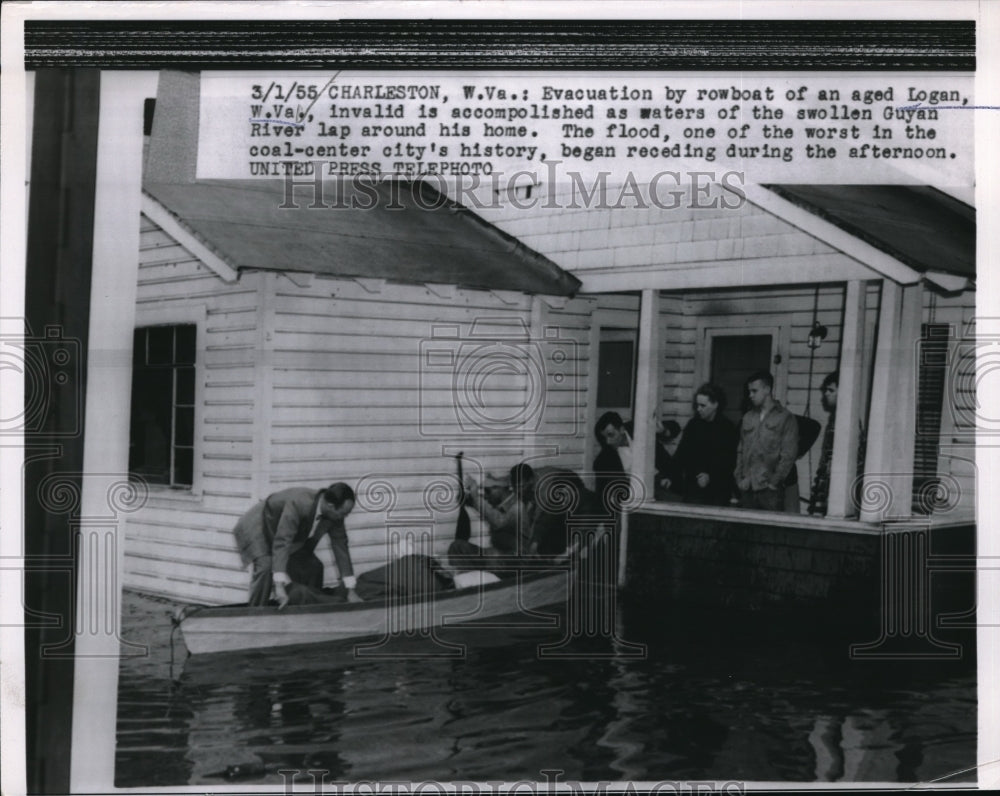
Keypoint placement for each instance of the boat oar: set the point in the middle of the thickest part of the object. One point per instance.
(463, 526)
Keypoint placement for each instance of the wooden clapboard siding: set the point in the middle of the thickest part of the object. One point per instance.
(627, 234)
(677, 384)
(354, 396)
(180, 543)
(565, 327)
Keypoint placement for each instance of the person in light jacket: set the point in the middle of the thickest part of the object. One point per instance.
(768, 446)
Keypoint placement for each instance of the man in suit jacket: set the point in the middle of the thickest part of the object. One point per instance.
(279, 536)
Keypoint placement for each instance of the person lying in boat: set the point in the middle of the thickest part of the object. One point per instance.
(407, 576)
(279, 535)
(526, 518)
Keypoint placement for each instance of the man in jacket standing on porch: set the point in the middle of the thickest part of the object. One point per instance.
(279, 536)
(769, 441)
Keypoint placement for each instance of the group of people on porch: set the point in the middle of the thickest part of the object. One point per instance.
(712, 462)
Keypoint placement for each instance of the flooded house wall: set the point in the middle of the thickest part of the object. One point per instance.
(307, 380)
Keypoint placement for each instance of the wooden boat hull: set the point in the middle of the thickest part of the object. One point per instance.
(231, 628)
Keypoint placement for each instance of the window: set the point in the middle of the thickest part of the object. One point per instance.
(616, 370)
(161, 440)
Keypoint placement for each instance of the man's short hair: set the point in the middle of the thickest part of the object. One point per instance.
(762, 376)
(608, 419)
(831, 378)
(338, 494)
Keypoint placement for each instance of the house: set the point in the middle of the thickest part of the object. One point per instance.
(372, 335)
(364, 345)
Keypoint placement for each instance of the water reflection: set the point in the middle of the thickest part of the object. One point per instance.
(694, 707)
(856, 748)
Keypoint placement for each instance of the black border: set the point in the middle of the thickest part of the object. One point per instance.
(547, 45)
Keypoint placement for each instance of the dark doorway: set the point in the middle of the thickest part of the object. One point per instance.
(616, 371)
(734, 358)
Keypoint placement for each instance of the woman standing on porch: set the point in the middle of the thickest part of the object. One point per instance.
(707, 452)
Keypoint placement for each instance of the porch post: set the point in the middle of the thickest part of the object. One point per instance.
(850, 402)
(106, 424)
(888, 481)
(647, 383)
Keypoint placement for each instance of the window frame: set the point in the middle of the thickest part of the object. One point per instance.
(179, 316)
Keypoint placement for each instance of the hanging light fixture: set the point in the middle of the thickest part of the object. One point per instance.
(816, 335)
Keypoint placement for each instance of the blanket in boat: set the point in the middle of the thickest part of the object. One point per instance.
(411, 576)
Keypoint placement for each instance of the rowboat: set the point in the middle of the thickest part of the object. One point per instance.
(239, 627)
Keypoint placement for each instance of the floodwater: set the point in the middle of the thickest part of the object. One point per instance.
(659, 700)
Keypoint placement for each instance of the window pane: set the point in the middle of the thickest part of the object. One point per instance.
(161, 345)
(185, 344)
(185, 386)
(184, 433)
(149, 452)
(183, 466)
(152, 388)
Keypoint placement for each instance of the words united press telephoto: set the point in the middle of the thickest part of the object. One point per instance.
(848, 128)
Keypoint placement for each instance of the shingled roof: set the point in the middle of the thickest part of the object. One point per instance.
(918, 225)
(399, 231)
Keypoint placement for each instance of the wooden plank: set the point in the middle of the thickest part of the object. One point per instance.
(760, 270)
(193, 591)
(223, 554)
(195, 520)
(290, 380)
(182, 292)
(153, 561)
(168, 265)
(397, 324)
(397, 293)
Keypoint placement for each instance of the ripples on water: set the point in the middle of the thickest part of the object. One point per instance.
(713, 703)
